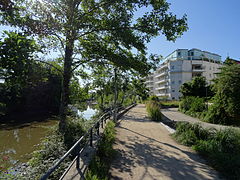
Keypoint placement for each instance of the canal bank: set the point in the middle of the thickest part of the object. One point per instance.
(18, 142)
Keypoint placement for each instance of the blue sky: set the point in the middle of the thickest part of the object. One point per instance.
(214, 25)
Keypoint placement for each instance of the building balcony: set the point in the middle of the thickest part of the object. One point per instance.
(161, 81)
(162, 87)
(149, 85)
(161, 74)
(162, 66)
(197, 62)
(149, 81)
(198, 70)
(162, 94)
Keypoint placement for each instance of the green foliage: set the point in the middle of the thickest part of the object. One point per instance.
(99, 166)
(188, 134)
(196, 87)
(153, 98)
(2, 109)
(25, 79)
(50, 149)
(98, 32)
(78, 93)
(229, 61)
(16, 56)
(220, 147)
(53, 147)
(169, 104)
(194, 106)
(226, 103)
(154, 110)
(74, 130)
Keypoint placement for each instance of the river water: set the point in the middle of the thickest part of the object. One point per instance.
(17, 143)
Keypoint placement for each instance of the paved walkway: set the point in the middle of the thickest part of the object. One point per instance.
(174, 115)
(147, 151)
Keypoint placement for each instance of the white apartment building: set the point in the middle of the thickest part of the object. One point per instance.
(179, 67)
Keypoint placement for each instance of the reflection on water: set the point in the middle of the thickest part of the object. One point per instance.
(88, 113)
(17, 144)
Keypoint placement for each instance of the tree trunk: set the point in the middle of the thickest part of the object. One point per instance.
(66, 82)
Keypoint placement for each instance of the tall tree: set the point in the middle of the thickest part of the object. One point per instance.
(98, 30)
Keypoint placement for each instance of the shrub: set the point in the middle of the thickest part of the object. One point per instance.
(220, 147)
(153, 98)
(197, 105)
(192, 104)
(154, 111)
(188, 134)
(53, 148)
(226, 109)
(74, 130)
(100, 164)
(170, 104)
(217, 115)
(185, 104)
(2, 109)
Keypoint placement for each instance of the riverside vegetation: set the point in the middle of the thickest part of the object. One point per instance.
(220, 147)
(153, 109)
(52, 147)
(100, 164)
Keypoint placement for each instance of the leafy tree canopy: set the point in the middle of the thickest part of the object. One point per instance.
(227, 96)
(92, 32)
(196, 87)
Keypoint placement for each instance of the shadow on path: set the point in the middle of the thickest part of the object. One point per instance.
(146, 151)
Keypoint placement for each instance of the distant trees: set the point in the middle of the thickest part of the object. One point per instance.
(124, 89)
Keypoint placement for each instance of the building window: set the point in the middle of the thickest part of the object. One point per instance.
(173, 90)
(179, 53)
(192, 53)
(173, 98)
(210, 75)
(210, 68)
(179, 81)
(172, 67)
(214, 68)
(173, 82)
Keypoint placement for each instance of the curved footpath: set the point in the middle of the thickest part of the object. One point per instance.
(174, 115)
(147, 151)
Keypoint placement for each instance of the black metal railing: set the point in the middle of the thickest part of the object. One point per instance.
(89, 136)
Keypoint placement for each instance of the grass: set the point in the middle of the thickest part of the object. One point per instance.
(169, 104)
(154, 110)
(100, 164)
(220, 147)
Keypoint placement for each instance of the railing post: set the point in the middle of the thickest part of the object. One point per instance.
(78, 161)
(91, 137)
(78, 156)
